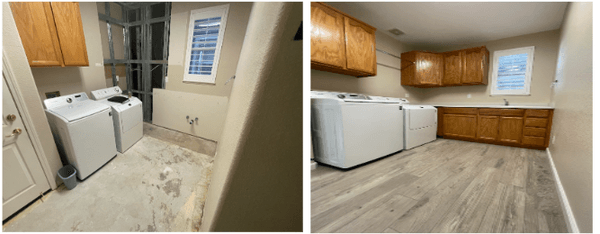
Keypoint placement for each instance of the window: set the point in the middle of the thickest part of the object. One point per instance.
(512, 71)
(205, 37)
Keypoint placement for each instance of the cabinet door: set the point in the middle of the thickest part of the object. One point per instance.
(510, 129)
(429, 68)
(327, 36)
(70, 33)
(487, 128)
(35, 24)
(474, 66)
(464, 126)
(360, 47)
(453, 67)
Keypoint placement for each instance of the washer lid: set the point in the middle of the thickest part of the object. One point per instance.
(79, 110)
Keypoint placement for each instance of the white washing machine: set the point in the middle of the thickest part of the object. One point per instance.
(420, 125)
(82, 130)
(351, 129)
(127, 116)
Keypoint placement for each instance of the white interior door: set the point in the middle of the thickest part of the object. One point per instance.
(23, 178)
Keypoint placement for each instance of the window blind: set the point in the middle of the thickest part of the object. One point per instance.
(512, 72)
(204, 45)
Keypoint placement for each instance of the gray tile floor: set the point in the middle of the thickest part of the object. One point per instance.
(153, 186)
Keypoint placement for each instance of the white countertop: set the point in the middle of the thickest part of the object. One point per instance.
(518, 106)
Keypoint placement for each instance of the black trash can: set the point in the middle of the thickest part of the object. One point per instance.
(67, 174)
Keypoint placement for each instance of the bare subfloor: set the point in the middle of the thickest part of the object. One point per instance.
(153, 186)
(443, 186)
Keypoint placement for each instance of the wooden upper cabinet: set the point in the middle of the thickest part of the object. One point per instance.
(422, 69)
(459, 67)
(327, 44)
(453, 67)
(67, 18)
(35, 24)
(476, 66)
(360, 47)
(51, 33)
(341, 43)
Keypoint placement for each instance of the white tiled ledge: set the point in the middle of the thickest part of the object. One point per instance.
(518, 106)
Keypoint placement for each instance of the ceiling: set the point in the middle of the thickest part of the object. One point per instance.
(456, 23)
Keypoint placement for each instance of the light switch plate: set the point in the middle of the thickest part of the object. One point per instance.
(166, 79)
(98, 64)
(406, 95)
(468, 95)
(117, 78)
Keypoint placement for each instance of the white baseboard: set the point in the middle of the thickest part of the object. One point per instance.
(313, 165)
(571, 224)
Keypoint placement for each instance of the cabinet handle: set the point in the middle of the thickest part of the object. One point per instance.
(17, 131)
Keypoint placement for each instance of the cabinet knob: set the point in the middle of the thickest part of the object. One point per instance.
(11, 117)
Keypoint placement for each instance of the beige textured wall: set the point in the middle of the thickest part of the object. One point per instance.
(386, 83)
(573, 117)
(13, 49)
(235, 31)
(70, 80)
(208, 94)
(544, 64)
(171, 108)
(257, 174)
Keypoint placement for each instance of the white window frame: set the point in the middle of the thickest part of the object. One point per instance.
(499, 53)
(208, 12)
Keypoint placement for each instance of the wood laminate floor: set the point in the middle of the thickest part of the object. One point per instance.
(442, 186)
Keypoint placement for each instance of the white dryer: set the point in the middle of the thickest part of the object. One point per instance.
(420, 125)
(82, 130)
(351, 129)
(127, 116)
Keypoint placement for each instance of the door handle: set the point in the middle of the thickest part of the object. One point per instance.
(11, 117)
(15, 132)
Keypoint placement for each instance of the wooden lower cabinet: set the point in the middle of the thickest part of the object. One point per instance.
(487, 128)
(512, 127)
(464, 126)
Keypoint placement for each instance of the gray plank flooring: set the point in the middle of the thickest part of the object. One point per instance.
(442, 186)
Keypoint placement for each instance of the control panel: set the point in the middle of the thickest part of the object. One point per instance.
(65, 100)
(105, 93)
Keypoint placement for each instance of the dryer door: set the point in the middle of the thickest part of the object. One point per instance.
(422, 117)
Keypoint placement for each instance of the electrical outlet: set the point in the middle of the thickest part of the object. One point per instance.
(553, 139)
(98, 64)
(117, 78)
(406, 95)
(468, 95)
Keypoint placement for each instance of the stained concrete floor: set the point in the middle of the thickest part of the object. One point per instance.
(153, 186)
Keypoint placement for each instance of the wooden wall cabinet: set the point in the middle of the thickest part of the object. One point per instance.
(528, 128)
(453, 68)
(51, 33)
(422, 69)
(341, 43)
(476, 63)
